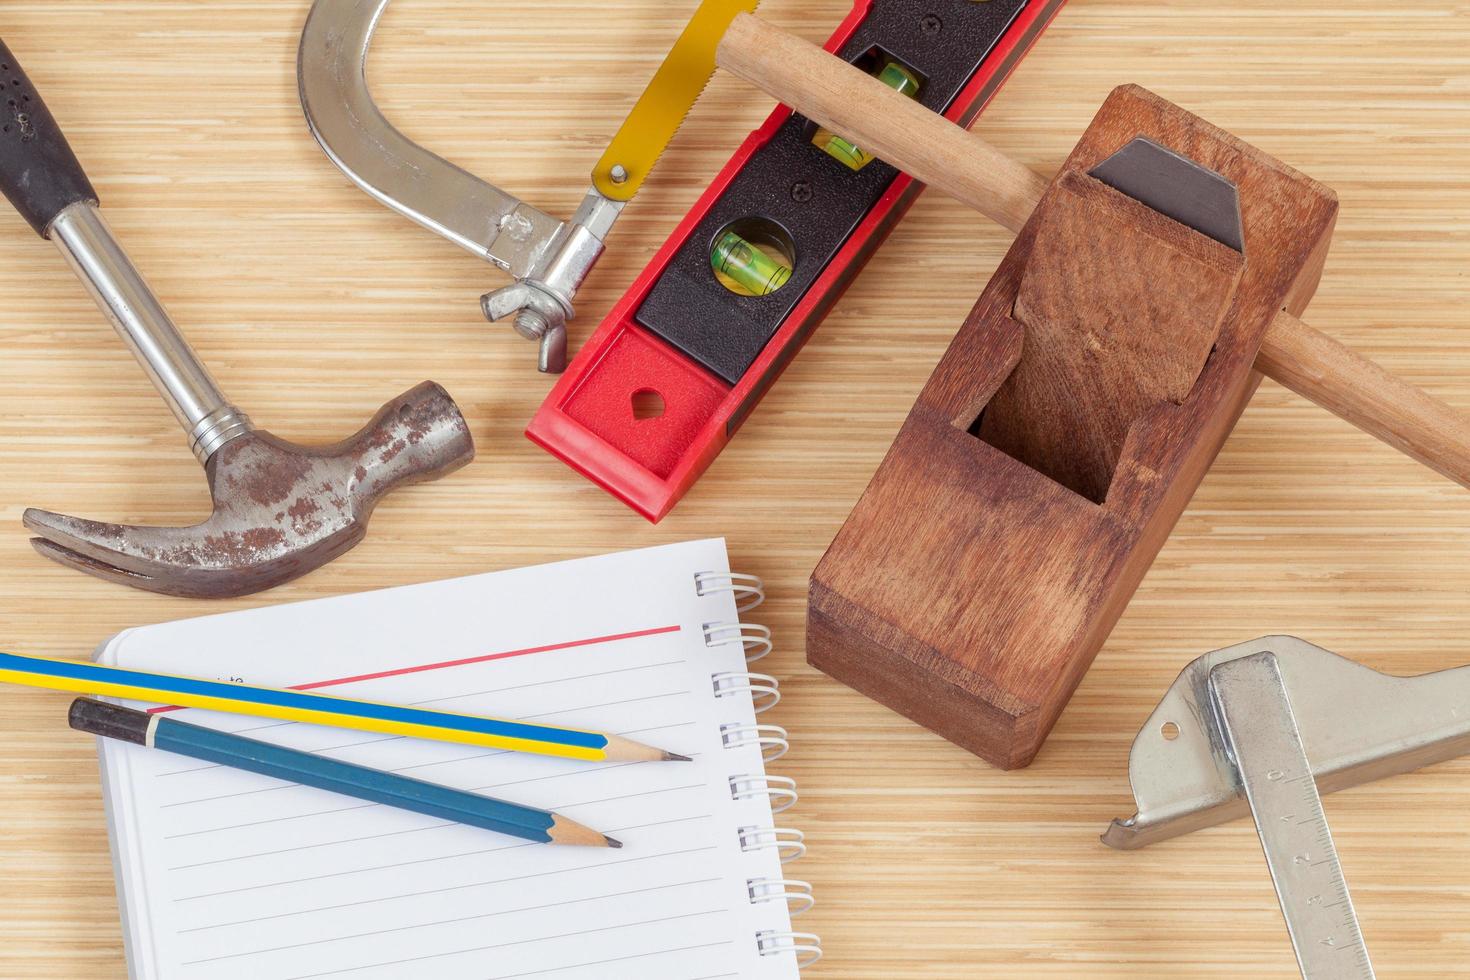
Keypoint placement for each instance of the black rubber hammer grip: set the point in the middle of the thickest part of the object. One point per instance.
(38, 171)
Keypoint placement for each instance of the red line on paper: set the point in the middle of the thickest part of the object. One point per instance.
(486, 658)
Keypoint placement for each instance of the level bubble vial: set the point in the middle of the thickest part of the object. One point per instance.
(753, 257)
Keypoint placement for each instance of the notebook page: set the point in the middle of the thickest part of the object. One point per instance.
(228, 875)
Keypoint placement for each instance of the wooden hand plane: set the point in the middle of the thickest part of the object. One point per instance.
(1080, 405)
(1067, 427)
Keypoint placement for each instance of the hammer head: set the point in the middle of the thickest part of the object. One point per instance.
(280, 510)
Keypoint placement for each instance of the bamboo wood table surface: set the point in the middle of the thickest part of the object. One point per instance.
(313, 305)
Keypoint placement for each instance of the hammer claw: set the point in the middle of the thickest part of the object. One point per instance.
(81, 563)
(212, 560)
(85, 544)
(280, 510)
(122, 554)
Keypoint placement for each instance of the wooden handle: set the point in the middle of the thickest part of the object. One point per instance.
(888, 125)
(932, 149)
(1355, 388)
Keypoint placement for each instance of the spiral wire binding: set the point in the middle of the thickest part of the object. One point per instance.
(772, 740)
(789, 844)
(781, 790)
(749, 590)
(755, 638)
(764, 690)
(806, 946)
(796, 894)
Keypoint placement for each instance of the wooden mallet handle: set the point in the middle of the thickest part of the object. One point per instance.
(945, 156)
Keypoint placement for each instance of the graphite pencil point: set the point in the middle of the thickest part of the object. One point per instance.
(621, 749)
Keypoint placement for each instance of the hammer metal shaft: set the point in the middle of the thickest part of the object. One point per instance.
(81, 235)
(846, 100)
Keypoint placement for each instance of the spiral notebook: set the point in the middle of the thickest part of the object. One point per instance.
(223, 874)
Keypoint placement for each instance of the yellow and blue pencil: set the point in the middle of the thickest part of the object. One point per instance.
(80, 677)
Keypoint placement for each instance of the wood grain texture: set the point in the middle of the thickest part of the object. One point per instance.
(1120, 308)
(1380, 403)
(313, 305)
(989, 571)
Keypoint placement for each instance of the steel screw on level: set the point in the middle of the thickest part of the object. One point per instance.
(801, 192)
(931, 24)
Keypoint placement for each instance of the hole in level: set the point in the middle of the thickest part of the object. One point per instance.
(753, 257)
(648, 404)
(1170, 731)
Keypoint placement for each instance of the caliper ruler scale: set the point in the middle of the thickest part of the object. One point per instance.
(1266, 728)
(1262, 738)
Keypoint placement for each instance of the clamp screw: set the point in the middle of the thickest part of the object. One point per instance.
(531, 324)
(801, 192)
(931, 24)
(619, 174)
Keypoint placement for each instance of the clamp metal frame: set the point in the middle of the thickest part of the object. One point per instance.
(548, 258)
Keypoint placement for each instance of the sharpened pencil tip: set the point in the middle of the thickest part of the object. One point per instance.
(620, 749)
(611, 842)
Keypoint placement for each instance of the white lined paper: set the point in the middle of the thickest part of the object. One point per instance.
(229, 875)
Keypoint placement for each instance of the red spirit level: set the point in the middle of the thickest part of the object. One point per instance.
(688, 352)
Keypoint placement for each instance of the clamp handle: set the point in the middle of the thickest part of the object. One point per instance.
(39, 173)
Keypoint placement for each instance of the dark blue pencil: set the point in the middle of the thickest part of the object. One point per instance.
(235, 751)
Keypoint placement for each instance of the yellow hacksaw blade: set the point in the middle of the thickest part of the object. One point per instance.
(661, 109)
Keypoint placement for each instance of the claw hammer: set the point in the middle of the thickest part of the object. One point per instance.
(280, 510)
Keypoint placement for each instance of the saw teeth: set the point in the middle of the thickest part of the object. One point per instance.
(662, 108)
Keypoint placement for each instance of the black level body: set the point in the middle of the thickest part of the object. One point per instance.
(817, 201)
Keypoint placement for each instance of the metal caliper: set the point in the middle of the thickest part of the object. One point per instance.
(1268, 726)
